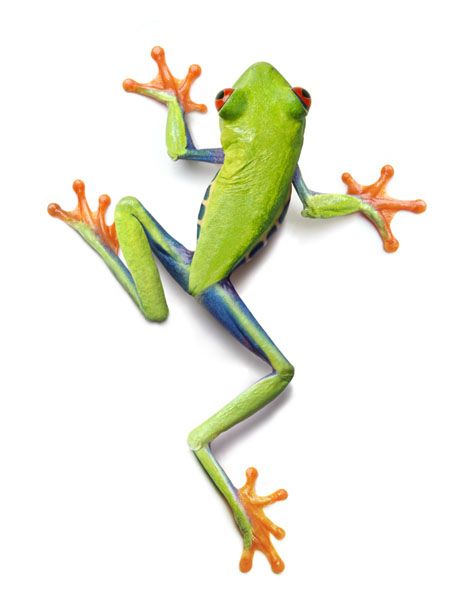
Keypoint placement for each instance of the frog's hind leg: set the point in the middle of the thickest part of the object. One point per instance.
(225, 305)
(139, 235)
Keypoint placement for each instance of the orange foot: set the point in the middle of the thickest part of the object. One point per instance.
(166, 82)
(384, 207)
(83, 214)
(262, 527)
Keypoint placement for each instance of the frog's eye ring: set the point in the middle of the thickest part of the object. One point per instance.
(304, 96)
(222, 97)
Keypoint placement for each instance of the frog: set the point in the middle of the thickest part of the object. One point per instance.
(262, 122)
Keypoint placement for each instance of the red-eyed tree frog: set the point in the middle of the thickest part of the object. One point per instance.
(262, 120)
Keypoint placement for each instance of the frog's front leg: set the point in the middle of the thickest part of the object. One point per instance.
(139, 235)
(175, 94)
(371, 201)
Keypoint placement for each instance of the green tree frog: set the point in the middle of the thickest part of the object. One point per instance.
(262, 120)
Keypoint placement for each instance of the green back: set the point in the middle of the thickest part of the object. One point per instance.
(262, 125)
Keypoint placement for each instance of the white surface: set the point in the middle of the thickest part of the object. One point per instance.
(99, 496)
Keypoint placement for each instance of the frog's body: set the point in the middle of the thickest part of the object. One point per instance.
(262, 125)
(253, 186)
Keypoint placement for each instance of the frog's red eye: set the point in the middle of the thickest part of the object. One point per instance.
(222, 96)
(303, 95)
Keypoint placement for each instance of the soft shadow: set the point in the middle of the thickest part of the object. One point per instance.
(307, 228)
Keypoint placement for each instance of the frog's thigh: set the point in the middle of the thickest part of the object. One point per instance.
(224, 303)
(140, 235)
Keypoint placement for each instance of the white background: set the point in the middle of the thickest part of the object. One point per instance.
(99, 496)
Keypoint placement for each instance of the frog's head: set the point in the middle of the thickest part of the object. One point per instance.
(261, 93)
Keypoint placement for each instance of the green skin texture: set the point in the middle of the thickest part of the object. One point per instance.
(262, 126)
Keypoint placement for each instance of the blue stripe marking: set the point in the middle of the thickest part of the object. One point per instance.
(256, 248)
(284, 213)
(214, 302)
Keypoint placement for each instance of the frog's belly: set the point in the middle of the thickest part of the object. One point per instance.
(233, 226)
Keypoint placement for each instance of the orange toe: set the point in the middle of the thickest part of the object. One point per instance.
(262, 526)
(384, 205)
(82, 213)
(165, 81)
